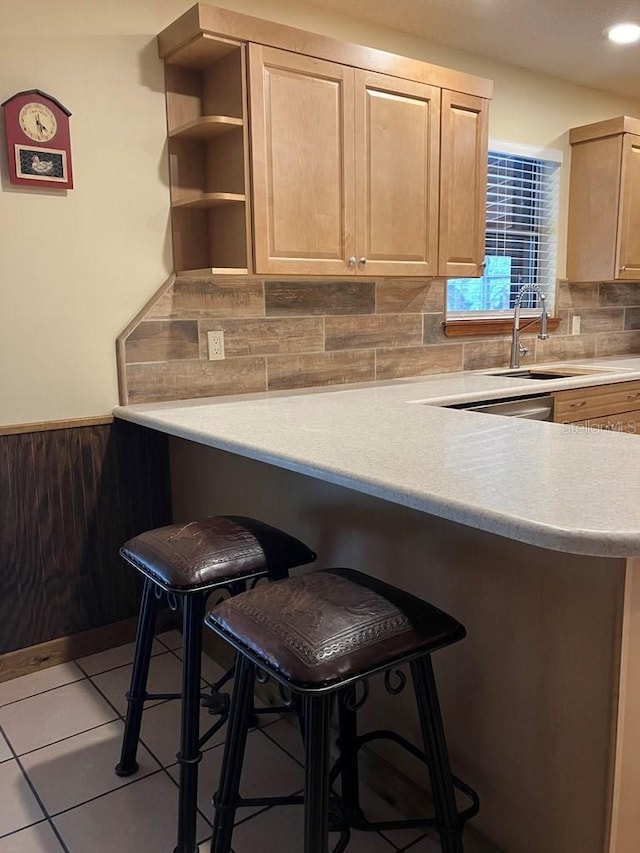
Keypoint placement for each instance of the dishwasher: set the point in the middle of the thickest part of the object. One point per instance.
(536, 408)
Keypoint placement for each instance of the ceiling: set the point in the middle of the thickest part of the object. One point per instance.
(563, 38)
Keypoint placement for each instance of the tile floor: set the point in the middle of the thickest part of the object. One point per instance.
(60, 732)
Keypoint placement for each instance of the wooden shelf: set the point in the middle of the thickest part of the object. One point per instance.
(205, 200)
(207, 271)
(201, 51)
(206, 127)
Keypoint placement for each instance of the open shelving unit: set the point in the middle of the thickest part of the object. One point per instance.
(206, 95)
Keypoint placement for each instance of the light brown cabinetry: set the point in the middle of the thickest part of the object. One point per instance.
(397, 149)
(613, 407)
(302, 162)
(287, 162)
(463, 185)
(345, 168)
(208, 157)
(603, 240)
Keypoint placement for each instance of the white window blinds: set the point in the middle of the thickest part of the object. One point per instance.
(521, 237)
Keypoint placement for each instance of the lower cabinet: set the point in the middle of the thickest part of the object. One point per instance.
(613, 407)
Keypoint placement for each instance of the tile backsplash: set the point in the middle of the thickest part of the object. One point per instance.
(297, 334)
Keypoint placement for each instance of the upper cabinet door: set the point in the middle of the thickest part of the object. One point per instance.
(397, 129)
(463, 184)
(301, 112)
(628, 255)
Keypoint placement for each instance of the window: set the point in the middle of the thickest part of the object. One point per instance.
(521, 238)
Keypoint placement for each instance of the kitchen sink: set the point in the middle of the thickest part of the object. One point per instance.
(544, 372)
(532, 374)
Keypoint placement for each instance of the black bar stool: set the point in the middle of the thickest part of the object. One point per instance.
(185, 563)
(319, 635)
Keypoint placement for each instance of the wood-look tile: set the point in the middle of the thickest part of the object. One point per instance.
(180, 380)
(563, 347)
(564, 316)
(480, 354)
(319, 297)
(418, 361)
(580, 295)
(373, 330)
(619, 294)
(432, 329)
(409, 296)
(618, 343)
(266, 336)
(161, 309)
(193, 297)
(327, 368)
(162, 340)
(600, 319)
(632, 318)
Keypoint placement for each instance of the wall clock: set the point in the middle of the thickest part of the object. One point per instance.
(38, 141)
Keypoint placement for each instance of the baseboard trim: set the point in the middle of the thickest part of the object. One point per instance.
(64, 649)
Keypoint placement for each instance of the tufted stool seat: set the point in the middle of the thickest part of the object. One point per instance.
(185, 563)
(318, 635)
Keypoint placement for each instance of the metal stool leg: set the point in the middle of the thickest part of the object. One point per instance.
(448, 822)
(225, 800)
(348, 735)
(193, 607)
(317, 713)
(137, 689)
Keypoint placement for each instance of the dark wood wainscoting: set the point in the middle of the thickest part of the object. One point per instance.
(69, 497)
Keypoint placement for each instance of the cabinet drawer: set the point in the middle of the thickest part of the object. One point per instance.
(582, 404)
(623, 422)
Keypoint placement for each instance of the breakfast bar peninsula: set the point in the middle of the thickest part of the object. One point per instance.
(526, 531)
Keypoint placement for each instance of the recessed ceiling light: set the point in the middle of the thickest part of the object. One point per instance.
(624, 33)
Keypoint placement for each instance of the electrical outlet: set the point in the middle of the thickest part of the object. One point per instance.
(575, 325)
(215, 343)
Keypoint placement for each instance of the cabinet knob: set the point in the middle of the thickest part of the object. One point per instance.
(577, 404)
(352, 261)
(623, 268)
(362, 261)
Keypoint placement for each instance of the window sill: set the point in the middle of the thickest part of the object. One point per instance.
(488, 326)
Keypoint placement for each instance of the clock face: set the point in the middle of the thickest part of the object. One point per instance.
(38, 122)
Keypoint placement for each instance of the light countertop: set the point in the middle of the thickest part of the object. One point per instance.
(556, 486)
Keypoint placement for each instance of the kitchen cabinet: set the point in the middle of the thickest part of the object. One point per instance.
(316, 160)
(603, 240)
(463, 185)
(611, 407)
(208, 158)
(345, 168)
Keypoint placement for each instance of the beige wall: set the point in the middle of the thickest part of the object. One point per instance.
(75, 268)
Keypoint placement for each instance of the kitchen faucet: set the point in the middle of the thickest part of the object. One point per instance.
(517, 349)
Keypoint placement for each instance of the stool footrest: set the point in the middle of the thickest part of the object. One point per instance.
(219, 723)
(408, 823)
(292, 800)
(148, 696)
(216, 702)
(274, 709)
